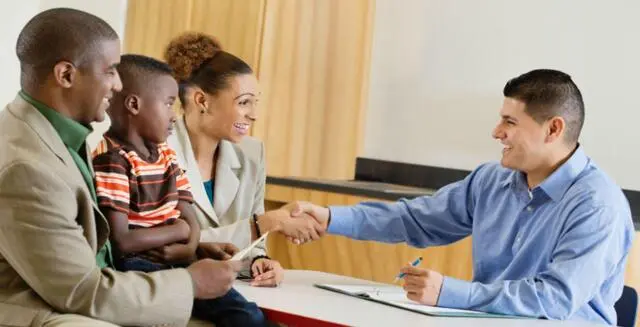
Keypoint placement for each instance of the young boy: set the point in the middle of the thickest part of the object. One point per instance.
(143, 192)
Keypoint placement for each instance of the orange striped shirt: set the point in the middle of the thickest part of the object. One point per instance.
(147, 191)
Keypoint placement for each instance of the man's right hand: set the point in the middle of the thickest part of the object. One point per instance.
(306, 221)
(302, 209)
(212, 279)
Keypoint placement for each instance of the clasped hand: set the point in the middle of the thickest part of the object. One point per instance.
(300, 222)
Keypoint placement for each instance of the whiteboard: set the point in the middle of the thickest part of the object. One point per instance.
(438, 68)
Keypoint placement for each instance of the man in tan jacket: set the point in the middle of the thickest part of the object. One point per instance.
(55, 256)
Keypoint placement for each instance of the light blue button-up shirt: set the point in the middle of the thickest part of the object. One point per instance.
(556, 252)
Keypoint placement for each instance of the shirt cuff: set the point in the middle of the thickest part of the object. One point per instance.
(341, 221)
(455, 293)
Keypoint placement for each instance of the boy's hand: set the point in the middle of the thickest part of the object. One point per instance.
(185, 230)
(173, 254)
(216, 250)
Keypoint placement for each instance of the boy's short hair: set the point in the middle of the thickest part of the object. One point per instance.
(133, 67)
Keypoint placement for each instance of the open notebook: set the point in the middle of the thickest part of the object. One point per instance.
(395, 296)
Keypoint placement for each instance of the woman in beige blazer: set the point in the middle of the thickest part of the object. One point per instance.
(226, 168)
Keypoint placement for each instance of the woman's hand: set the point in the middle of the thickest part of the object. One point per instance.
(266, 272)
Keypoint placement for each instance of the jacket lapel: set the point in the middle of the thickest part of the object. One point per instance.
(101, 221)
(26, 112)
(41, 126)
(186, 159)
(226, 181)
(50, 137)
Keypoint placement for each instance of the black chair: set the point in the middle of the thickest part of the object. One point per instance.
(627, 307)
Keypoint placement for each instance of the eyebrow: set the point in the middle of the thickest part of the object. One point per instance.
(509, 117)
(243, 94)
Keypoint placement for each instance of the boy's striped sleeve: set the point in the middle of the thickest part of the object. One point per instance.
(112, 181)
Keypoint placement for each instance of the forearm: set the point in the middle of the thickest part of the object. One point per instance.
(539, 297)
(420, 222)
(145, 239)
(188, 214)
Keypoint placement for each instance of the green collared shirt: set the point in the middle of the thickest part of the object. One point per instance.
(74, 135)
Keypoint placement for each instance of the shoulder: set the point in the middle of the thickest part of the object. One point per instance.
(21, 147)
(593, 189)
(490, 174)
(107, 152)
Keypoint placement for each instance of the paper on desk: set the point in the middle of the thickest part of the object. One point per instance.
(395, 296)
(244, 252)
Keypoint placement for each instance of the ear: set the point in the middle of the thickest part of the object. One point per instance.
(201, 100)
(132, 104)
(64, 74)
(555, 129)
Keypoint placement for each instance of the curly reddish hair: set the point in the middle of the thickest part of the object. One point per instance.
(189, 51)
(198, 59)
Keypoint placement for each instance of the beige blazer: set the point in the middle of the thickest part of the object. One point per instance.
(238, 190)
(49, 236)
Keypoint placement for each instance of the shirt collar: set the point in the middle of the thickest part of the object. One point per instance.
(72, 133)
(560, 180)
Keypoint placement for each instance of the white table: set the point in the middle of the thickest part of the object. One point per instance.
(296, 302)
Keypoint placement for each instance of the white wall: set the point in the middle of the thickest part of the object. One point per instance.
(439, 66)
(10, 27)
(112, 11)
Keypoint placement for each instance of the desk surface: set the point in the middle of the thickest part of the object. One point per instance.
(297, 296)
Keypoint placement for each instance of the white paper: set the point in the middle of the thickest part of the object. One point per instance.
(395, 295)
(244, 252)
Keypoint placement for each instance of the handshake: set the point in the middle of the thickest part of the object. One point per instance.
(300, 222)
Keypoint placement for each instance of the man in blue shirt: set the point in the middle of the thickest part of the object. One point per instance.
(551, 232)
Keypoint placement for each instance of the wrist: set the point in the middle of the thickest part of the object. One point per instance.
(258, 257)
(326, 227)
(267, 223)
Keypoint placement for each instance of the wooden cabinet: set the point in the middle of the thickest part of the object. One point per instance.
(312, 60)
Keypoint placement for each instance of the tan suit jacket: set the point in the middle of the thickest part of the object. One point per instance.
(238, 193)
(49, 236)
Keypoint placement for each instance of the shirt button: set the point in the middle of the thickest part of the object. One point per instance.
(530, 208)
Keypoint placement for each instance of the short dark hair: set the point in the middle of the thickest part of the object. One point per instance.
(133, 67)
(59, 34)
(197, 59)
(549, 93)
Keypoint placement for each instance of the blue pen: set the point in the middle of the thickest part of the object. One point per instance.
(414, 263)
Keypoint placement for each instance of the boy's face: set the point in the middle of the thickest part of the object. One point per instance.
(157, 116)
